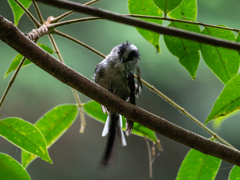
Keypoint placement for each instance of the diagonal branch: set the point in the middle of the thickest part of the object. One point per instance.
(16, 39)
(142, 24)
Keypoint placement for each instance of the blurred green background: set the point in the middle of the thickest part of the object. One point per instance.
(75, 155)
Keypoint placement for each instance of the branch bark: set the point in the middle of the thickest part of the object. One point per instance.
(18, 41)
(142, 24)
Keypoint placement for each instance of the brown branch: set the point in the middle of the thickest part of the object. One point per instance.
(142, 24)
(18, 41)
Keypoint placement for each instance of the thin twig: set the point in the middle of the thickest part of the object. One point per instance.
(36, 23)
(149, 158)
(180, 20)
(81, 112)
(79, 42)
(41, 20)
(57, 19)
(11, 81)
(72, 21)
(75, 94)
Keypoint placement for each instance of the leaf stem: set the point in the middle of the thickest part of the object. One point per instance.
(57, 19)
(72, 21)
(11, 81)
(36, 23)
(75, 94)
(38, 12)
(149, 157)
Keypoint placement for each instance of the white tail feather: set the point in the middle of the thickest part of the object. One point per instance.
(106, 126)
(124, 143)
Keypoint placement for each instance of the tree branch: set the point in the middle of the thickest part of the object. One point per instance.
(18, 41)
(142, 24)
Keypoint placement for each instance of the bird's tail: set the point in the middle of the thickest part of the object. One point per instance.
(113, 126)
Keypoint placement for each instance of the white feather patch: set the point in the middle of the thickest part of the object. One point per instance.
(106, 127)
(124, 143)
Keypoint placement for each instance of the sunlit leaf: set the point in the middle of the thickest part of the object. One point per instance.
(216, 124)
(10, 169)
(198, 166)
(186, 10)
(19, 57)
(167, 5)
(17, 11)
(235, 173)
(26, 136)
(146, 7)
(53, 125)
(223, 62)
(187, 51)
(93, 109)
(228, 101)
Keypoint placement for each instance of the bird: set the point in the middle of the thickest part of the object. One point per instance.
(116, 74)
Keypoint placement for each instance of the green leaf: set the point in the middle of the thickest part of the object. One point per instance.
(93, 109)
(186, 10)
(146, 7)
(187, 51)
(53, 125)
(228, 101)
(198, 166)
(223, 62)
(18, 11)
(167, 5)
(19, 57)
(26, 136)
(235, 173)
(11, 169)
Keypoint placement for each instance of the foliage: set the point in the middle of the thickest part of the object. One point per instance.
(34, 140)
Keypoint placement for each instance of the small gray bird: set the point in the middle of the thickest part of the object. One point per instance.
(115, 73)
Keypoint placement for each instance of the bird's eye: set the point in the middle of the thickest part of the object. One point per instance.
(120, 53)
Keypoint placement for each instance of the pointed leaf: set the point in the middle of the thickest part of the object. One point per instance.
(93, 109)
(198, 166)
(18, 11)
(235, 173)
(11, 169)
(53, 125)
(167, 5)
(228, 101)
(187, 51)
(26, 136)
(19, 57)
(223, 62)
(186, 10)
(146, 7)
